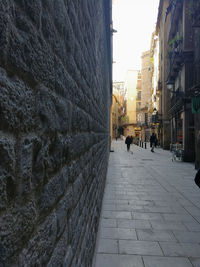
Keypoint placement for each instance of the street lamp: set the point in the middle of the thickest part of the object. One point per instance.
(170, 84)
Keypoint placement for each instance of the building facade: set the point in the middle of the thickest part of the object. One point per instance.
(195, 89)
(155, 101)
(180, 76)
(178, 31)
(162, 30)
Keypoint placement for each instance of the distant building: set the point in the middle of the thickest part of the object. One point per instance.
(131, 95)
(146, 92)
(138, 107)
(117, 109)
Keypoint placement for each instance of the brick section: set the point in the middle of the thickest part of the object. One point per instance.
(54, 129)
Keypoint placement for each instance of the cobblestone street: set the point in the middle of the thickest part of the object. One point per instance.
(151, 211)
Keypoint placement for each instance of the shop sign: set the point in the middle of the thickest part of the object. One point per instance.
(196, 105)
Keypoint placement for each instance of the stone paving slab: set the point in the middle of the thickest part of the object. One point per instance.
(155, 235)
(150, 212)
(166, 262)
(195, 262)
(180, 249)
(116, 214)
(108, 223)
(187, 236)
(139, 247)
(164, 225)
(147, 216)
(179, 217)
(135, 224)
(105, 260)
(118, 233)
(107, 246)
(192, 226)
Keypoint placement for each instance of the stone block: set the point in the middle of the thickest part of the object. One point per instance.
(17, 104)
(40, 152)
(7, 154)
(53, 191)
(16, 227)
(24, 165)
(63, 211)
(68, 256)
(41, 245)
(4, 29)
(54, 113)
(60, 251)
(79, 120)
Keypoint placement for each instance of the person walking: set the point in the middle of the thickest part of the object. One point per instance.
(153, 140)
(128, 142)
(197, 178)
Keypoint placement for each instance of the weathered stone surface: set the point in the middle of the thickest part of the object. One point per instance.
(41, 245)
(16, 227)
(7, 154)
(54, 129)
(54, 112)
(63, 211)
(17, 104)
(7, 171)
(53, 191)
(60, 251)
(50, 155)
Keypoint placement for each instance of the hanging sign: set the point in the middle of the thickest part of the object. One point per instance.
(196, 104)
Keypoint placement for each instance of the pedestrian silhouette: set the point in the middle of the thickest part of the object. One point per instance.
(153, 140)
(197, 178)
(128, 142)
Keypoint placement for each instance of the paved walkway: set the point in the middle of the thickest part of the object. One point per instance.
(151, 211)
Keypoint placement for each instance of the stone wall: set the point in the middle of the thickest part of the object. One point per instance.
(54, 129)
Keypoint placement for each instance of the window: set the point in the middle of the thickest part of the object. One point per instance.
(138, 95)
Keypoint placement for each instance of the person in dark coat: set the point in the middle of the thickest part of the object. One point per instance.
(197, 178)
(128, 142)
(153, 141)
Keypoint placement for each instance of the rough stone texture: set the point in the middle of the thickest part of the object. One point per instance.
(54, 129)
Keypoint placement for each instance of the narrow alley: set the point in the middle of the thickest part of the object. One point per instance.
(151, 211)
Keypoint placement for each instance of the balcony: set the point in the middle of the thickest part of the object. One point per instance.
(177, 58)
(175, 63)
(174, 9)
(177, 101)
(195, 14)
